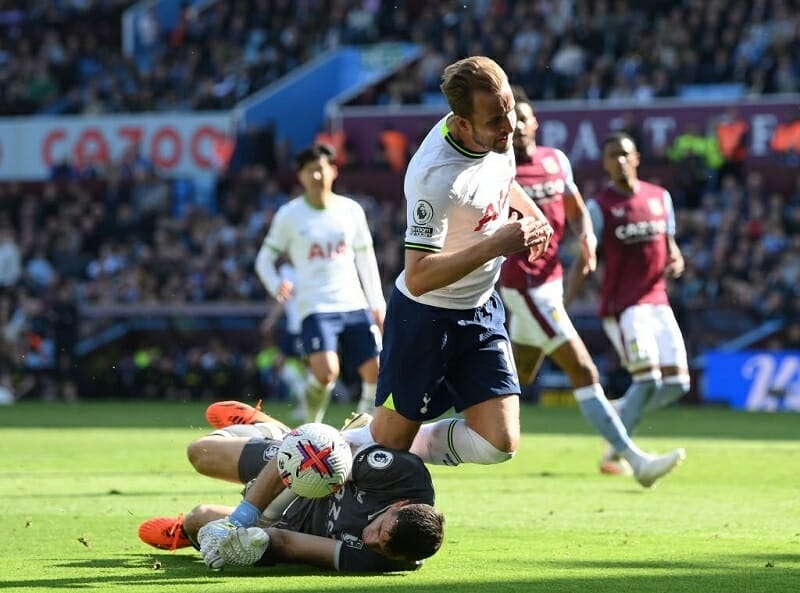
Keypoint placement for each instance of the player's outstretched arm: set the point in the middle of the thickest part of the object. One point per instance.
(266, 488)
(581, 224)
(303, 548)
(574, 281)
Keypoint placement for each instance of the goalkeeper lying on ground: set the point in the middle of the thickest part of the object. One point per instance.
(382, 520)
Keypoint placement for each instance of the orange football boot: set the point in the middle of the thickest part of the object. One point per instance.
(165, 533)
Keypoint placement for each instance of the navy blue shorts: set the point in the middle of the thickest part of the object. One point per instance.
(291, 345)
(435, 358)
(352, 334)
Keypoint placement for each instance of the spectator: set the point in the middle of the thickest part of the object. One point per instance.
(697, 159)
(732, 135)
(786, 139)
(10, 259)
(392, 149)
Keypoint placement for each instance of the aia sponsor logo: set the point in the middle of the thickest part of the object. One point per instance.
(327, 250)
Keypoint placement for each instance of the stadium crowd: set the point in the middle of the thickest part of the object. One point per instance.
(120, 235)
(66, 246)
(65, 57)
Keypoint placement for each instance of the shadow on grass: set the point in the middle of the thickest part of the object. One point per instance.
(184, 572)
(730, 562)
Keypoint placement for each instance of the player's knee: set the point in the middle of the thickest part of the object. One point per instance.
(502, 447)
(325, 376)
(197, 517)
(584, 373)
(200, 454)
(492, 455)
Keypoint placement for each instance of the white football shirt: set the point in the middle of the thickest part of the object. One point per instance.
(456, 198)
(321, 244)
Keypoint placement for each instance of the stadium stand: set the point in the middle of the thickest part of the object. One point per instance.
(118, 234)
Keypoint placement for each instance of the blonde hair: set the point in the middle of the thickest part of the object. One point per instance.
(476, 73)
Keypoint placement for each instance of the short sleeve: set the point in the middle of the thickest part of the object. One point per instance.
(596, 215)
(396, 474)
(570, 187)
(669, 208)
(428, 199)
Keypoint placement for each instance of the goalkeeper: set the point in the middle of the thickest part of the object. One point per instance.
(382, 520)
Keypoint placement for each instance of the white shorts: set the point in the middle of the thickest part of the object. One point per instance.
(538, 317)
(647, 336)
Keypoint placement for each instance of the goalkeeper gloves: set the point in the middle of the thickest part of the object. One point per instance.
(244, 546)
(209, 538)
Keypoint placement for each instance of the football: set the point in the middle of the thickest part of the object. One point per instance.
(314, 460)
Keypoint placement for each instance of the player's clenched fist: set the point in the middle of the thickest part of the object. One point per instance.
(244, 546)
(539, 239)
(520, 233)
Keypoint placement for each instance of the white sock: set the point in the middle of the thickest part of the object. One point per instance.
(240, 430)
(358, 438)
(367, 401)
(317, 397)
(452, 442)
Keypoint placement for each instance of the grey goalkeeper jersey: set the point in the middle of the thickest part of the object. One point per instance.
(380, 478)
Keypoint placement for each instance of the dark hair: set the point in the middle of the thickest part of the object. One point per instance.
(520, 96)
(617, 137)
(476, 73)
(312, 153)
(418, 532)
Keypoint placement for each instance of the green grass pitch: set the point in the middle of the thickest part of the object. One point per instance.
(77, 479)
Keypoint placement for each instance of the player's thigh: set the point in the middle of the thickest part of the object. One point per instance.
(217, 456)
(634, 338)
(483, 373)
(496, 420)
(481, 366)
(414, 359)
(671, 347)
(537, 316)
(391, 429)
(359, 340)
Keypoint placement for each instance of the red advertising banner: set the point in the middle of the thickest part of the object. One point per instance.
(192, 144)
